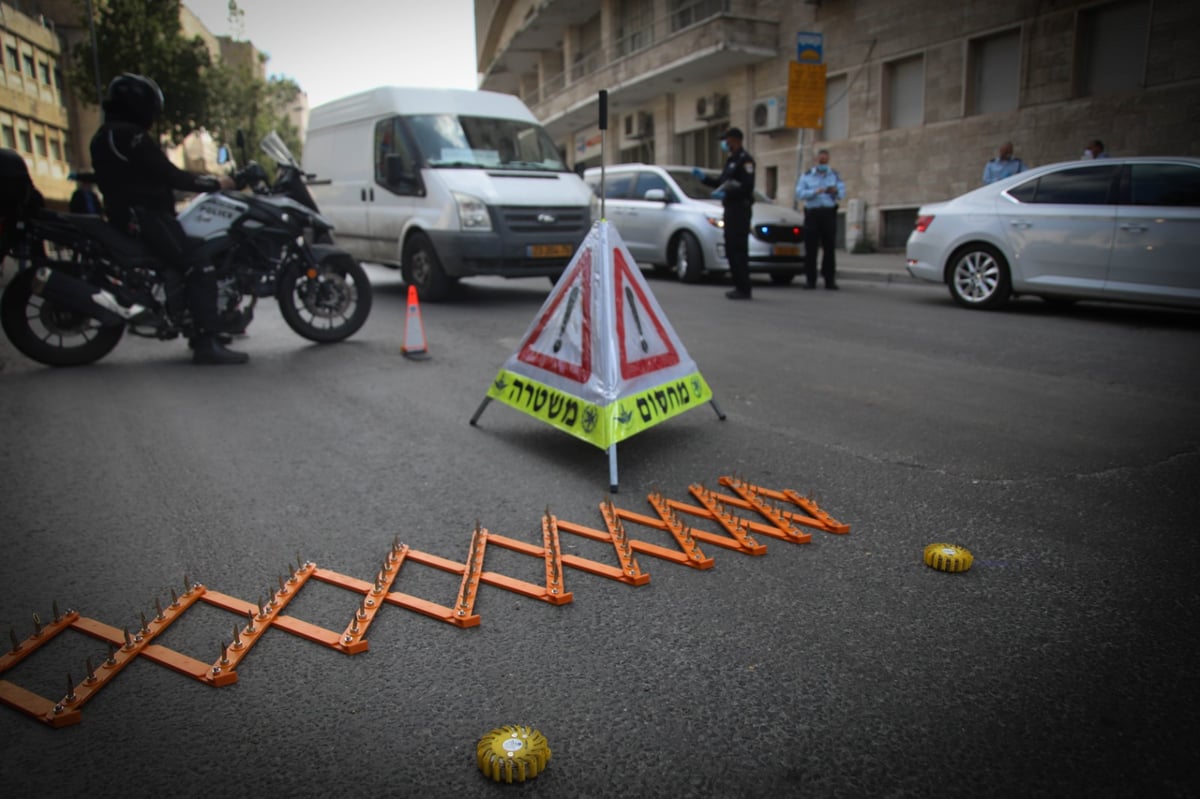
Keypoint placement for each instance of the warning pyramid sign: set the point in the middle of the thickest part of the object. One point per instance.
(600, 360)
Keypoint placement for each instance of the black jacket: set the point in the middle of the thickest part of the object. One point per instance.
(133, 172)
(736, 180)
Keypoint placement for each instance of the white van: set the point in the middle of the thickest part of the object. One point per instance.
(445, 183)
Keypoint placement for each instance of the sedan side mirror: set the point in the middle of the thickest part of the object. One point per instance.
(655, 195)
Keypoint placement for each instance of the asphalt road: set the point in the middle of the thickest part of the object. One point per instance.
(1062, 447)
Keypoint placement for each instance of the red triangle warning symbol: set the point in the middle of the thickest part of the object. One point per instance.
(642, 338)
(561, 340)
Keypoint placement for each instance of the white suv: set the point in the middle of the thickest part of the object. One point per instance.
(668, 218)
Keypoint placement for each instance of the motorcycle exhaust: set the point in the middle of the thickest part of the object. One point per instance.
(81, 297)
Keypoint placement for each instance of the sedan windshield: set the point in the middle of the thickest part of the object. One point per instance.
(450, 141)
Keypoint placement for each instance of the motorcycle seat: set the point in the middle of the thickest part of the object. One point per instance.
(128, 249)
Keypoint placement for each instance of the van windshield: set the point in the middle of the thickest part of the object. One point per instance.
(449, 141)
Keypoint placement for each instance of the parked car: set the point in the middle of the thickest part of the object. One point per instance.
(667, 217)
(1125, 229)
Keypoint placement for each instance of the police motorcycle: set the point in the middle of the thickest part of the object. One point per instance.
(81, 285)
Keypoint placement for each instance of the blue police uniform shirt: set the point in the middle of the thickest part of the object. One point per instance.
(997, 169)
(812, 188)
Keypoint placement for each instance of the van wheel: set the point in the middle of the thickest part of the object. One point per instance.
(689, 261)
(422, 268)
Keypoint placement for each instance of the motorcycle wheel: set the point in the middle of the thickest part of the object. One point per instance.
(331, 306)
(51, 334)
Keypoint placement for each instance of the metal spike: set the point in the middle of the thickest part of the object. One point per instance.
(224, 654)
(111, 660)
(70, 689)
(54, 607)
(128, 639)
(37, 625)
(237, 637)
(145, 628)
(354, 626)
(91, 672)
(262, 610)
(174, 599)
(282, 587)
(250, 629)
(187, 586)
(158, 607)
(12, 635)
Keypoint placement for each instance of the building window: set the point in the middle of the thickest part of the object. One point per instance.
(39, 145)
(1111, 47)
(904, 92)
(995, 66)
(55, 148)
(701, 147)
(29, 65)
(9, 136)
(44, 68)
(26, 143)
(636, 30)
(837, 109)
(14, 61)
(689, 12)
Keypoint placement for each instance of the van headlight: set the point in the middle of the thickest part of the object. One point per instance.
(716, 221)
(472, 212)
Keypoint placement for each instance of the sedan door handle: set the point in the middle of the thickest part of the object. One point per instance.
(1021, 223)
(1132, 228)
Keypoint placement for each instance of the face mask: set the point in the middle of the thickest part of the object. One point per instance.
(724, 146)
(822, 167)
(1087, 155)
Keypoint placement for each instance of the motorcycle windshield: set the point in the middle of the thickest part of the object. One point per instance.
(273, 146)
(450, 141)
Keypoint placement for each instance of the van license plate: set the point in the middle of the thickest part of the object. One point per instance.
(786, 249)
(550, 250)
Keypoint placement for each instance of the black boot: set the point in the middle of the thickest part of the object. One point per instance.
(207, 349)
(223, 339)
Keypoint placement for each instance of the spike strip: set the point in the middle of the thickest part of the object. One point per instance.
(620, 539)
(669, 521)
(354, 637)
(751, 500)
(221, 672)
(469, 588)
(594, 566)
(551, 554)
(33, 643)
(737, 527)
(813, 516)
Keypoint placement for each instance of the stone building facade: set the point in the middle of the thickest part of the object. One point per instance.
(919, 93)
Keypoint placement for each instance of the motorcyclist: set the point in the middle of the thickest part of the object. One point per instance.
(138, 182)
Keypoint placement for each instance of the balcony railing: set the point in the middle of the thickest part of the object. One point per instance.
(647, 35)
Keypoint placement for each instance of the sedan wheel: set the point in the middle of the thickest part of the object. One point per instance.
(979, 277)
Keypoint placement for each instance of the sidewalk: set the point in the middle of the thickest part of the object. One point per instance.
(879, 267)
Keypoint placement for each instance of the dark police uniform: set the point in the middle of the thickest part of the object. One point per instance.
(737, 183)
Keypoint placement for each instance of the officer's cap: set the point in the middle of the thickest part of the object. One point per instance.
(733, 133)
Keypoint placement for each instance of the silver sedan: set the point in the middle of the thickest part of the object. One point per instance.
(1125, 229)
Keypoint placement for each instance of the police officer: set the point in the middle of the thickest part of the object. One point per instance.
(820, 189)
(138, 181)
(1004, 165)
(735, 187)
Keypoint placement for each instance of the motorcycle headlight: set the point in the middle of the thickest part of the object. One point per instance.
(472, 213)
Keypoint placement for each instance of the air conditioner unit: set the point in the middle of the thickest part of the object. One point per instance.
(639, 125)
(767, 114)
(712, 106)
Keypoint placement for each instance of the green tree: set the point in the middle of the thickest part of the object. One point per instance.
(145, 37)
(241, 101)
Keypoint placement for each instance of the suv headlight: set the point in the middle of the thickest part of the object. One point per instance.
(472, 212)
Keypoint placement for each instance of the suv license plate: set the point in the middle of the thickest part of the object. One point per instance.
(550, 250)
(786, 249)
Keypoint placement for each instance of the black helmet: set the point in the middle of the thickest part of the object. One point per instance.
(133, 98)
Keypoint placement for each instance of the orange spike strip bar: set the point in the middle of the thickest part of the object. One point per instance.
(596, 567)
(354, 637)
(737, 527)
(469, 588)
(257, 622)
(128, 647)
(550, 552)
(407, 601)
(690, 556)
(816, 518)
(749, 494)
(620, 539)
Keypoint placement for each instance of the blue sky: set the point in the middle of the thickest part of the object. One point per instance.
(337, 48)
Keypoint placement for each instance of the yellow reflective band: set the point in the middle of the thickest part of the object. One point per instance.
(598, 425)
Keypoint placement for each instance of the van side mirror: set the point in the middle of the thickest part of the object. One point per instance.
(396, 172)
(655, 195)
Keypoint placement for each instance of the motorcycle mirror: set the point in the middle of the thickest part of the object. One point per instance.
(241, 139)
(222, 154)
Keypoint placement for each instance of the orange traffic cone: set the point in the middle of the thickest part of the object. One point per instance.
(414, 329)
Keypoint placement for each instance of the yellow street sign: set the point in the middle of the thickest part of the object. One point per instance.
(806, 95)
